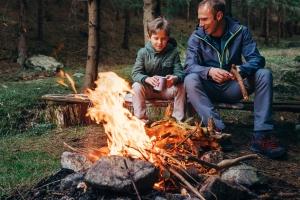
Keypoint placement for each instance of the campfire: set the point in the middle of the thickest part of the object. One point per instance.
(175, 152)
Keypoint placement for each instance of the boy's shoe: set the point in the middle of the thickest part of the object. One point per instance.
(267, 145)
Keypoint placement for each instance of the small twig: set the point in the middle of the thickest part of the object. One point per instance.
(190, 187)
(202, 162)
(230, 162)
(239, 79)
(185, 139)
(132, 181)
(47, 184)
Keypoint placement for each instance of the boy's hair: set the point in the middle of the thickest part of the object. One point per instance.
(216, 5)
(157, 24)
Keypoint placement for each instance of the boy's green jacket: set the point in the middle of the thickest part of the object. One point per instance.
(149, 63)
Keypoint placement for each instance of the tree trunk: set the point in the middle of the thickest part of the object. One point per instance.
(228, 8)
(283, 30)
(248, 15)
(22, 46)
(278, 24)
(125, 43)
(151, 11)
(267, 31)
(91, 70)
(40, 20)
(188, 6)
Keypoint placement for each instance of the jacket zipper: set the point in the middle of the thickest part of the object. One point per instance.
(220, 56)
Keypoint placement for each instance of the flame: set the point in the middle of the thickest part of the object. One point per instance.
(122, 128)
(64, 75)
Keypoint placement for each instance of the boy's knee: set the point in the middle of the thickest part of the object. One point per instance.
(138, 87)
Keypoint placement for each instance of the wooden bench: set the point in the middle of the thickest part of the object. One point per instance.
(291, 106)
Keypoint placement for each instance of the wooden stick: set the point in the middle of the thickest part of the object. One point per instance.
(239, 79)
(202, 162)
(190, 187)
(230, 162)
(185, 139)
(132, 181)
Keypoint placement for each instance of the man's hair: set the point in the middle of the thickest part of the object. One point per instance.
(157, 24)
(215, 5)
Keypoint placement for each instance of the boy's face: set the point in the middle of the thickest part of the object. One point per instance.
(159, 40)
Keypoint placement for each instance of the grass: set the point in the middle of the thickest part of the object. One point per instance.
(27, 158)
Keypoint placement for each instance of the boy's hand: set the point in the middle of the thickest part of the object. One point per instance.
(153, 81)
(171, 79)
(220, 75)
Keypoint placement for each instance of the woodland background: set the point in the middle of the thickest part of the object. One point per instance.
(60, 28)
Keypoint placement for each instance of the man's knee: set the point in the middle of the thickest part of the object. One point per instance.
(191, 81)
(264, 75)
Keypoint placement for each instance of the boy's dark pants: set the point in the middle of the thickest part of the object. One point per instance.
(202, 93)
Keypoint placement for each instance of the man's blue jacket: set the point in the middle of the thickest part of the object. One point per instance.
(236, 44)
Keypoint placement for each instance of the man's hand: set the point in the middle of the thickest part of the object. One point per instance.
(220, 75)
(153, 81)
(171, 79)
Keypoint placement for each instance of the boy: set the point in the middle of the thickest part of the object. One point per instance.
(159, 58)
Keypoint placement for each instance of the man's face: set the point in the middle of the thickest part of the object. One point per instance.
(159, 40)
(207, 20)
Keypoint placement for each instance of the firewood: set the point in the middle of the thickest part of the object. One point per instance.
(189, 186)
(230, 162)
(239, 79)
(132, 181)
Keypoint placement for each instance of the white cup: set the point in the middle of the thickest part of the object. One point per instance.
(162, 84)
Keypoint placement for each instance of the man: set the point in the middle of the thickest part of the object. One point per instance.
(216, 44)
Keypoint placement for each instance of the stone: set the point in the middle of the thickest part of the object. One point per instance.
(111, 173)
(71, 180)
(213, 156)
(75, 161)
(216, 188)
(42, 62)
(243, 174)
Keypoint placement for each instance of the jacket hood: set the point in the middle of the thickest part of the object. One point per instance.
(172, 44)
(232, 26)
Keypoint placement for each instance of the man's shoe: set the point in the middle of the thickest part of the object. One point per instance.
(267, 145)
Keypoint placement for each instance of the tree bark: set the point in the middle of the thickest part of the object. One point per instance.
(40, 20)
(91, 70)
(151, 11)
(278, 24)
(188, 6)
(125, 43)
(228, 8)
(22, 46)
(267, 31)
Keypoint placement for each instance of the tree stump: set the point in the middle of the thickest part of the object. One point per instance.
(67, 109)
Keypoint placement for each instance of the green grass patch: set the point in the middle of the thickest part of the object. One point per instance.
(27, 159)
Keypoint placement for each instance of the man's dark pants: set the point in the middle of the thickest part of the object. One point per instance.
(203, 93)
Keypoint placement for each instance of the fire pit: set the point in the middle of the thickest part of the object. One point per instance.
(167, 156)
